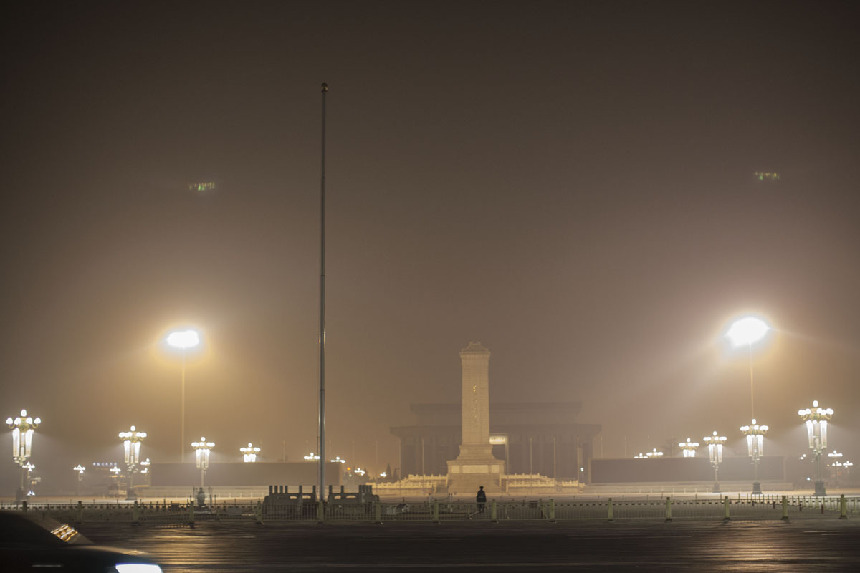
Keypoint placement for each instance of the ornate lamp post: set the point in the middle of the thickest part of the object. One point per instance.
(202, 450)
(23, 427)
(131, 444)
(816, 419)
(715, 453)
(249, 453)
(79, 469)
(688, 448)
(755, 446)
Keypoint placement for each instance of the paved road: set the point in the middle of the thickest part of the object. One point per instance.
(804, 545)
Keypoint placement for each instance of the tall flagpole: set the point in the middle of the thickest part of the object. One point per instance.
(322, 305)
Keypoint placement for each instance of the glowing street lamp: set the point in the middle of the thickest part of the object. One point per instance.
(816, 419)
(746, 332)
(688, 448)
(202, 450)
(653, 454)
(131, 445)
(715, 453)
(755, 446)
(249, 453)
(183, 340)
(312, 456)
(80, 471)
(23, 427)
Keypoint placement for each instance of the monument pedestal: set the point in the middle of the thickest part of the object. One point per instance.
(475, 466)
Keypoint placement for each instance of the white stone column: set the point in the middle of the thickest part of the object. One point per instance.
(476, 401)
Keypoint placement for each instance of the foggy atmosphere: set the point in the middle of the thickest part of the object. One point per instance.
(592, 190)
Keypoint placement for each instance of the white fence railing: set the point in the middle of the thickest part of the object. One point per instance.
(667, 509)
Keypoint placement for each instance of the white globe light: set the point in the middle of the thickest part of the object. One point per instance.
(747, 331)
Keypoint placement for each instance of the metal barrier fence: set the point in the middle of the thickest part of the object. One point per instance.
(438, 511)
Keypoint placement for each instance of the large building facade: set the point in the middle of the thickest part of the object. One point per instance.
(531, 438)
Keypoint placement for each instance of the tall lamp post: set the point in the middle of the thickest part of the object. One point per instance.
(131, 444)
(816, 419)
(183, 340)
(715, 453)
(23, 427)
(747, 331)
(79, 469)
(202, 450)
(755, 447)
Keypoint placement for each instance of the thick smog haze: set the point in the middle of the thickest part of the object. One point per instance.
(570, 183)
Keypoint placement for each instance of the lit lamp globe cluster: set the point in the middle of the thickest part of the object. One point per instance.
(249, 453)
(816, 419)
(23, 427)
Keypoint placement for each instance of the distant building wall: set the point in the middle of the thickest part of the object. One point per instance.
(242, 474)
(644, 470)
(542, 438)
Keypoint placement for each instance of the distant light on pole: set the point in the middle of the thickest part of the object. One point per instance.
(202, 451)
(183, 340)
(249, 453)
(653, 454)
(688, 448)
(747, 331)
(715, 454)
(23, 427)
(79, 469)
(816, 419)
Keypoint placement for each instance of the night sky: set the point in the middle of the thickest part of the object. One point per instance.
(569, 183)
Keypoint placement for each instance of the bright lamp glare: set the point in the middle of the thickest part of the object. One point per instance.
(747, 331)
(137, 568)
(183, 339)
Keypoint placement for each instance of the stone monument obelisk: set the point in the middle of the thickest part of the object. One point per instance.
(475, 466)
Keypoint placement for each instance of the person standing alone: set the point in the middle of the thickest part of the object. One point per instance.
(481, 498)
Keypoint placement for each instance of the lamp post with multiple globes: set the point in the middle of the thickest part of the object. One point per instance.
(715, 453)
(131, 446)
(202, 449)
(23, 427)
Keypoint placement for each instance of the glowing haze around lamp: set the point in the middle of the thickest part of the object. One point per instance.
(747, 331)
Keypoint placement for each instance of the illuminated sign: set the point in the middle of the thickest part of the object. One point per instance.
(766, 176)
(201, 186)
(498, 439)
